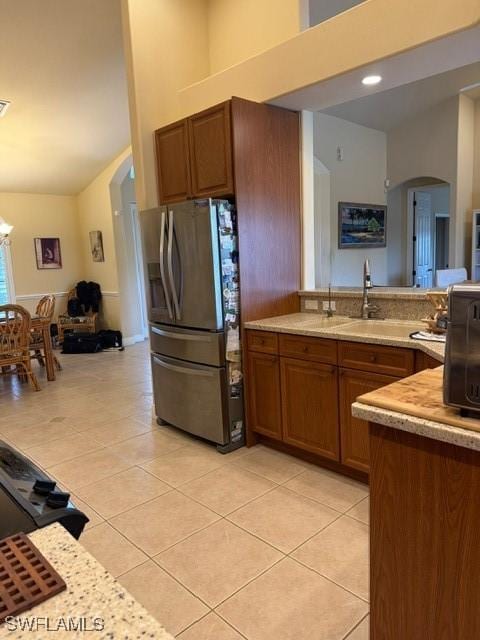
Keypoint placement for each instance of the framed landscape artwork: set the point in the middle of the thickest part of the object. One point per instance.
(96, 246)
(361, 225)
(47, 253)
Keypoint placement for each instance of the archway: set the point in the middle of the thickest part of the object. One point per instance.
(419, 214)
(128, 254)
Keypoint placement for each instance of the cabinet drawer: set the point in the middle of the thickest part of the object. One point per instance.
(263, 341)
(391, 361)
(304, 347)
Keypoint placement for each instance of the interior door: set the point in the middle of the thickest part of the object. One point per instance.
(422, 245)
(194, 265)
(153, 223)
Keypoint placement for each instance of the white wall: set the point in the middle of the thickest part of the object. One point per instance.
(130, 296)
(359, 177)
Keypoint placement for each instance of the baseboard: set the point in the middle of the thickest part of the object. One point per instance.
(127, 342)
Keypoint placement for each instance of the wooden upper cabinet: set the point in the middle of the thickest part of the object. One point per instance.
(310, 406)
(353, 431)
(173, 162)
(210, 140)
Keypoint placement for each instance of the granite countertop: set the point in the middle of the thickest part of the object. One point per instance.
(394, 333)
(92, 593)
(415, 404)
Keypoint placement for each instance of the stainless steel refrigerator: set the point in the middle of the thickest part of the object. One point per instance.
(192, 286)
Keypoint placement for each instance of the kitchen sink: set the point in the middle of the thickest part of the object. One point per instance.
(381, 328)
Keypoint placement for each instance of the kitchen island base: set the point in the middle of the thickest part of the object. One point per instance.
(425, 537)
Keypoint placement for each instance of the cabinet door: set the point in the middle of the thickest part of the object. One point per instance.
(353, 431)
(263, 394)
(210, 139)
(173, 167)
(310, 406)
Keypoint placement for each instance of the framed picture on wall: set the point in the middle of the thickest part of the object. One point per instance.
(47, 253)
(361, 226)
(96, 246)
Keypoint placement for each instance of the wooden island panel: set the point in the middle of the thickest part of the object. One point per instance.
(425, 532)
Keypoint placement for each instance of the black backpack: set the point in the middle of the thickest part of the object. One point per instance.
(111, 339)
(74, 308)
(76, 342)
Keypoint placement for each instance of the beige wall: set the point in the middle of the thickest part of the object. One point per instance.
(464, 190)
(95, 213)
(426, 147)
(382, 29)
(476, 159)
(240, 29)
(359, 177)
(38, 215)
(166, 47)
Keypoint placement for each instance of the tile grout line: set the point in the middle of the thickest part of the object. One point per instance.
(355, 627)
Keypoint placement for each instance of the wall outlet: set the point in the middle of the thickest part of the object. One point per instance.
(311, 305)
(326, 307)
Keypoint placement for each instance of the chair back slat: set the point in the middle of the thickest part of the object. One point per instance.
(46, 307)
(15, 324)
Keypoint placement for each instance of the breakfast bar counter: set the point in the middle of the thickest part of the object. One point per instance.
(93, 605)
(424, 512)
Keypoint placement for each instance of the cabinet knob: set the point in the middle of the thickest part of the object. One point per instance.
(373, 358)
(305, 349)
(262, 340)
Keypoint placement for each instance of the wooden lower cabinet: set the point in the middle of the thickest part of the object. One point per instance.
(264, 412)
(297, 394)
(353, 431)
(309, 406)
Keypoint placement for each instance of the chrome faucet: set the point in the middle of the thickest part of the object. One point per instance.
(367, 308)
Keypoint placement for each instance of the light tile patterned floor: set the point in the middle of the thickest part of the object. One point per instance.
(254, 544)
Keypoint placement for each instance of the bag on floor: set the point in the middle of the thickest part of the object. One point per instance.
(110, 339)
(81, 343)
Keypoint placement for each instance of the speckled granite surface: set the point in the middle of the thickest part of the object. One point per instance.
(381, 293)
(394, 333)
(92, 595)
(402, 303)
(435, 430)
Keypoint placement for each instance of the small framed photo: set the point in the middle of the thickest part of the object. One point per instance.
(48, 254)
(362, 226)
(96, 246)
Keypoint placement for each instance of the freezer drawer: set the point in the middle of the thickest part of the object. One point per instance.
(204, 347)
(191, 397)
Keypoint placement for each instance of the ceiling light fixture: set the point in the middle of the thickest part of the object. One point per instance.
(4, 104)
(5, 231)
(369, 81)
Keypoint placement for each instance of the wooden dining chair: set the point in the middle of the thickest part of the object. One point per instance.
(45, 309)
(15, 324)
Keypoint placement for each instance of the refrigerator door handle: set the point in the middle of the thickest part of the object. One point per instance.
(162, 266)
(176, 303)
(180, 336)
(187, 370)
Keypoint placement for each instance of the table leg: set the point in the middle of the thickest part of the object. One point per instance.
(49, 360)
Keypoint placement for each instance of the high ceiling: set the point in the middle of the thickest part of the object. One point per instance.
(63, 70)
(387, 109)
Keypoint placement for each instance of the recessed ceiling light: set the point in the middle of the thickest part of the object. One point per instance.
(371, 80)
(4, 104)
